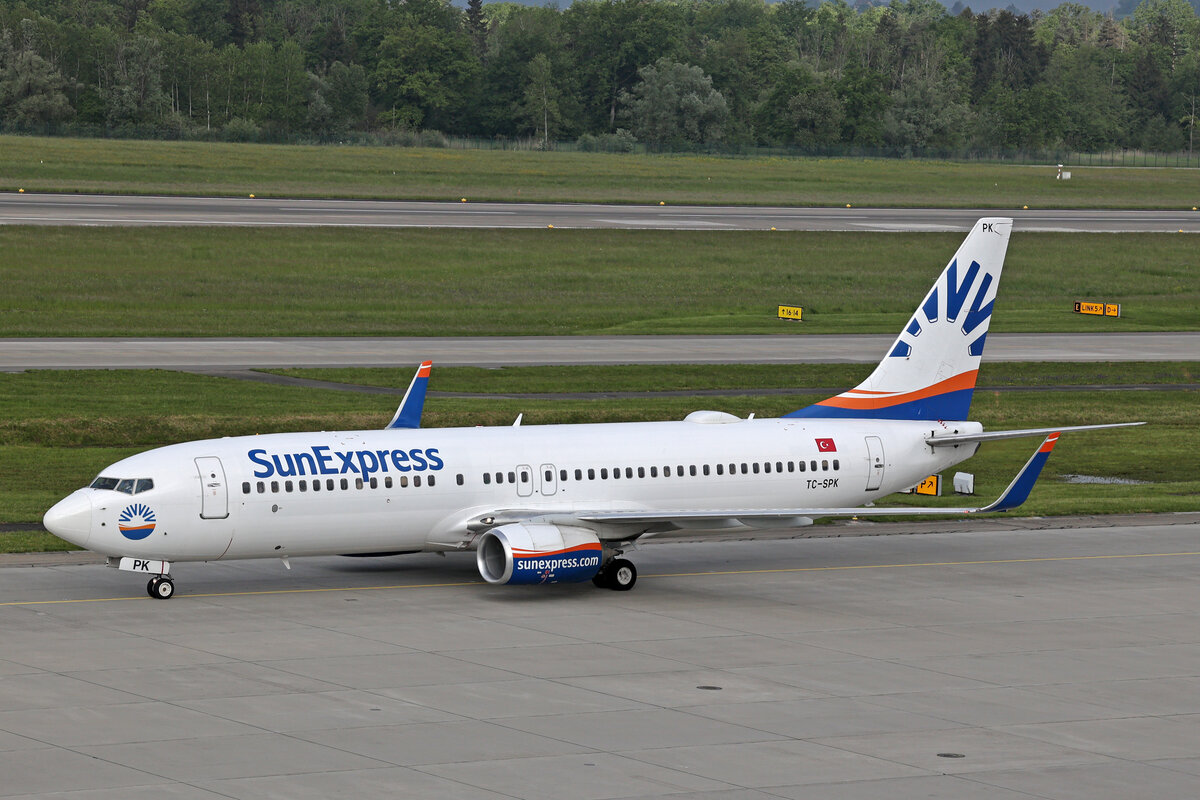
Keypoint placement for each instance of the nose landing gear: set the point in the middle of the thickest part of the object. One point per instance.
(161, 587)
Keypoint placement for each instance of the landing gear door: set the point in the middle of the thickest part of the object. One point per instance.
(214, 494)
(874, 463)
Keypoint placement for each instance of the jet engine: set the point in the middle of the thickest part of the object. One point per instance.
(525, 553)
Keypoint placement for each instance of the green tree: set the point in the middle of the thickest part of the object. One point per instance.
(31, 90)
(674, 104)
(541, 98)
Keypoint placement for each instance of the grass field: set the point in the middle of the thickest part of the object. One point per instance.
(195, 168)
(274, 282)
(59, 429)
(693, 377)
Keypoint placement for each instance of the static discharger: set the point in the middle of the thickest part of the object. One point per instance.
(1098, 309)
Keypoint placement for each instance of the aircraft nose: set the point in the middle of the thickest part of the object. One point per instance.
(71, 518)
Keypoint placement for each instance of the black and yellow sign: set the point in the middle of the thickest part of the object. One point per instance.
(931, 486)
(1098, 309)
(791, 312)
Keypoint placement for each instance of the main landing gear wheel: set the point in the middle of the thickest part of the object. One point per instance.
(160, 587)
(619, 575)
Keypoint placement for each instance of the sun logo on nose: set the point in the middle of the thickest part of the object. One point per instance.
(136, 521)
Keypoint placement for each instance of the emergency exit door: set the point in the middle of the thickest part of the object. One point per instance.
(874, 463)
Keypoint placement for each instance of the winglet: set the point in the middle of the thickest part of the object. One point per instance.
(408, 415)
(1019, 489)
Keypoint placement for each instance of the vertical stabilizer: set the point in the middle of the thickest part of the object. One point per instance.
(408, 415)
(929, 371)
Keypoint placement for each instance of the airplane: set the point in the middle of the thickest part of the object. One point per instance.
(564, 503)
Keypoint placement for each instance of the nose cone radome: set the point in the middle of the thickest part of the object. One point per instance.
(71, 518)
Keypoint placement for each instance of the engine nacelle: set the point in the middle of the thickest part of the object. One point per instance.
(523, 553)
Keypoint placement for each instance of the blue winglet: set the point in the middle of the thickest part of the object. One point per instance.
(408, 415)
(1018, 491)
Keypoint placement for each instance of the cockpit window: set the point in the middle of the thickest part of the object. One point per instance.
(104, 483)
(125, 485)
(143, 485)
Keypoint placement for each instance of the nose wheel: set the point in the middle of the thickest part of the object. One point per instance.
(161, 587)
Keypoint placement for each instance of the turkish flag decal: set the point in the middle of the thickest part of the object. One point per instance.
(826, 446)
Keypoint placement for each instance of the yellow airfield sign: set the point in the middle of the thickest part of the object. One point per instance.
(795, 313)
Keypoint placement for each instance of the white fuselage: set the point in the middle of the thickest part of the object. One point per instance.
(406, 490)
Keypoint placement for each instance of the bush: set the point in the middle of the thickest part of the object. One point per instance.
(240, 129)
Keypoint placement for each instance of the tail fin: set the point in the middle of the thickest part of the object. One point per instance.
(930, 370)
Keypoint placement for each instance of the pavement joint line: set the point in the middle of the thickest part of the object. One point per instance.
(657, 575)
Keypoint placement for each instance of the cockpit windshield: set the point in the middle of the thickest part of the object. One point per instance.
(124, 485)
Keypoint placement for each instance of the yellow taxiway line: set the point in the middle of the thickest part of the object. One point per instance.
(662, 575)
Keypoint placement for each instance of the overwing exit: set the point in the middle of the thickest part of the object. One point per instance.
(564, 503)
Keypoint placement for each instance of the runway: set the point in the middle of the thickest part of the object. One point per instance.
(985, 664)
(66, 209)
(251, 353)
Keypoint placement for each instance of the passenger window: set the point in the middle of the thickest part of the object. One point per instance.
(262, 487)
(126, 486)
(813, 465)
(246, 487)
(431, 479)
(778, 466)
(767, 467)
(745, 468)
(705, 468)
(629, 472)
(801, 465)
(274, 486)
(512, 478)
(720, 469)
(416, 480)
(692, 470)
(641, 472)
(733, 469)
(836, 465)
(303, 485)
(458, 479)
(578, 474)
(487, 478)
(287, 486)
(374, 482)
(824, 465)
(616, 473)
(524, 476)
(316, 484)
(345, 483)
(654, 472)
(755, 466)
(329, 484)
(549, 475)
(358, 483)
(604, 473)
(403, 481)
(791, 466)
(667, 471)
(562, 474)
(143, 485)
(387, 482)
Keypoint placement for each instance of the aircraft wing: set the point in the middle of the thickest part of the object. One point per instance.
(1016, 494)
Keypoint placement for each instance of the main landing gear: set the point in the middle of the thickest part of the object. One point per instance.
(160, 587)
(619, 574)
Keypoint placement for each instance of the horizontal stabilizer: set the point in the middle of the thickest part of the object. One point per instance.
(942, 440)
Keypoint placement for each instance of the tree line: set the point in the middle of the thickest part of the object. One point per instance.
(606, 73)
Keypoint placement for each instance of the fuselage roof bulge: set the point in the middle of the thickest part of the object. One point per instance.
(564, 503)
